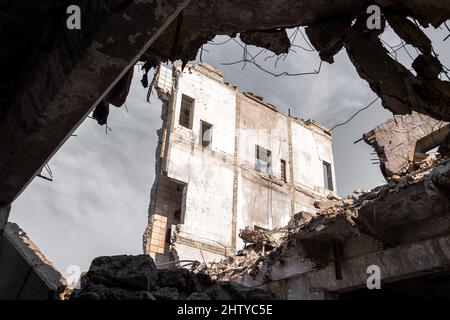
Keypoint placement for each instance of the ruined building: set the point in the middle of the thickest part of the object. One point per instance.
(53, 77)
(227, 160)
(401, 229)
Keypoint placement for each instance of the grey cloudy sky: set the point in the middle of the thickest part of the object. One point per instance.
(98, 201)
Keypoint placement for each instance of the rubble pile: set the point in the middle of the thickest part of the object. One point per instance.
(265, 248)
(137, 278)
(261, 239)
(259, 245)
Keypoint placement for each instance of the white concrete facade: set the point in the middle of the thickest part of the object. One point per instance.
(224, 187)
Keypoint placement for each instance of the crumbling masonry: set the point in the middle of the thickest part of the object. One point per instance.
(44, 101)
(227, 160)
(402, 227)
(53, 78)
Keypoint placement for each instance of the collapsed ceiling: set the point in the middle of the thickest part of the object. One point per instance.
(330, 26)
(52, 77)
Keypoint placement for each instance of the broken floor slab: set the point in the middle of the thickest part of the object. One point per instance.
(402, 227)
(35, 122)
(25, 273)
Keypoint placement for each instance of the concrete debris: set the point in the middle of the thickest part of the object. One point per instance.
(229, 290)
(404, 140)
(259, 238)
(94, 291)
(250, 259)
(25, 273)
(101, 113)
(444, 148)
(429, 12)
(198, 296)
(399, 89)
(427, 67)
(410, 33)
(119, 93)
(127, 272)
(136, 278)
(338, 220)
(50, 98)
(326, 37)
(330, 27)
(276, 41)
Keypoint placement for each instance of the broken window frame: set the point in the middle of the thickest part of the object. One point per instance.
(168, 237)
(206, 142)
(327, 176)
(187, 120)
(263, 160)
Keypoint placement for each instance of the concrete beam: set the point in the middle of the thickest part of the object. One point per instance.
(399, 89)
(402, 262)
(297, 278)
(410, 209)
(71, 78)
(329, 29)
(412, 219)
(411, 213)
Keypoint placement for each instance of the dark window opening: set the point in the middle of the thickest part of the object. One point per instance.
(177, 217)
(206, 135)
(327, 175)
(431, 144)
(263, 160)
(168, 236)
(283, 170)
(187, 105)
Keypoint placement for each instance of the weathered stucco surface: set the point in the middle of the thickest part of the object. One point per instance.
(222, 190)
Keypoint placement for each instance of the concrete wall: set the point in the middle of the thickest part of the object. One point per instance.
(224, 191)
(263, 200)
(299, 279)
(25, 274)
(310, 148)
(208, 173)
(166, 212)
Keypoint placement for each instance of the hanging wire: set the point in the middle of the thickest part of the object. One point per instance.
(49, 172)
(353, 116)
(249, 58)
(252, 60)
(448, 28)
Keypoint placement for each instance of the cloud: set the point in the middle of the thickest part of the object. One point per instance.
(98, 201)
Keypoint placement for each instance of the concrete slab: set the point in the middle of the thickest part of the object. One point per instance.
(25, 273)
